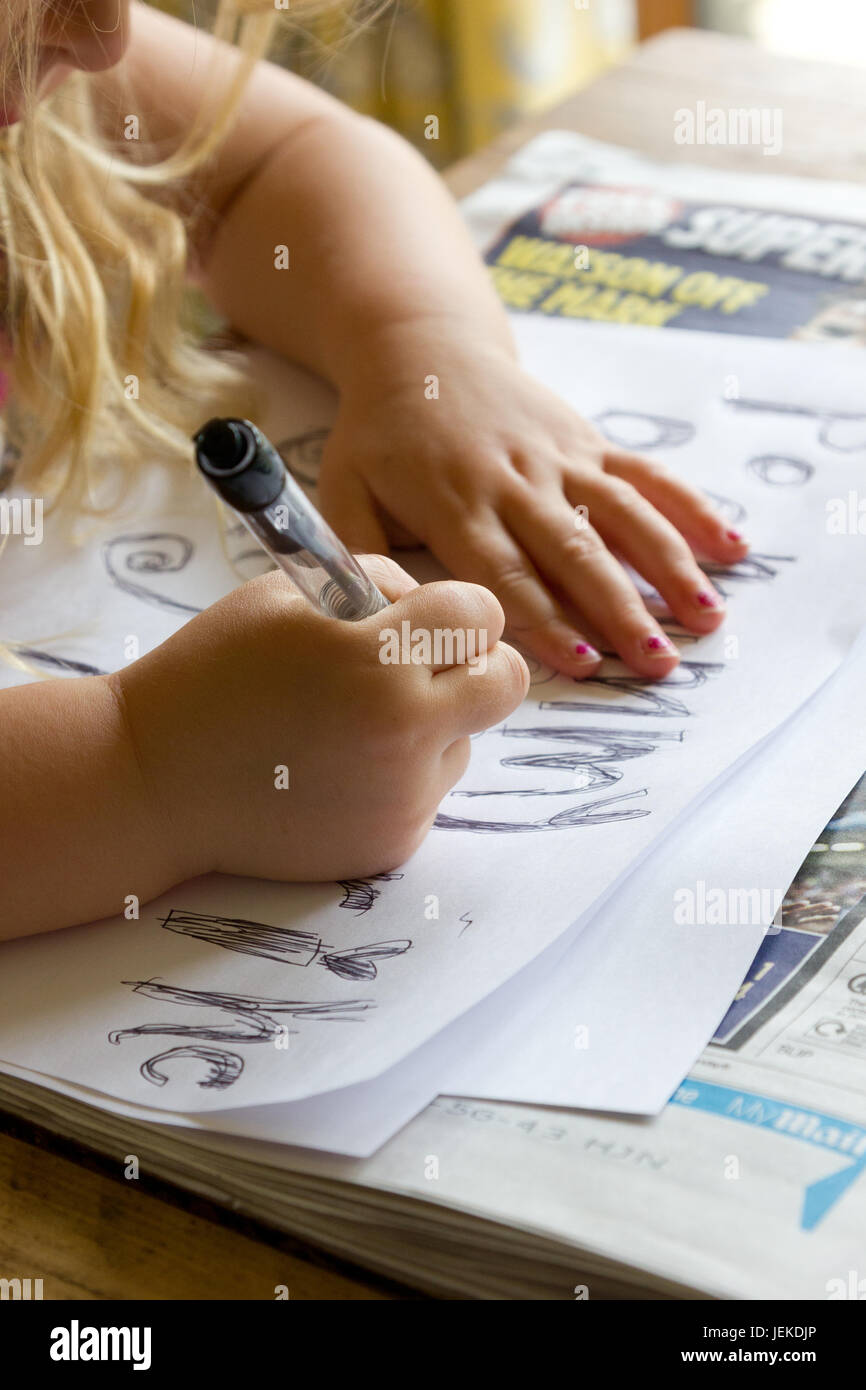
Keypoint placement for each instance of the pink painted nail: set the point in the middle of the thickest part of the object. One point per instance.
(734, 535)
(708, 598)
(588, 653)
(655, 645)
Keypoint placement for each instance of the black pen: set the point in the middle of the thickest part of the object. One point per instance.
(245, 470)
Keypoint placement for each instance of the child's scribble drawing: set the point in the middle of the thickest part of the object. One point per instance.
(302, 455)
(284, 944)
(597, 748)
(844, 432)
(151, 552)
(359, 893)
(654, 702)
(584, 775)
(761, 567)
(60, 663)
(251, 1016)
(634, 429)
(250, 1020)
(224, 1068)
(600, 745)
(780, 470)
(590, 813)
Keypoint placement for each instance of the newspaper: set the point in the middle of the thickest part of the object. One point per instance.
(575, 228)
(741, 1188)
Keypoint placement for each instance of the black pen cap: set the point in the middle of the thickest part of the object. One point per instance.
(243, 467)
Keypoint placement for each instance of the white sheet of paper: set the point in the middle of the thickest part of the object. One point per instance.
(556, 805)
(627, 1009)
(644, 991)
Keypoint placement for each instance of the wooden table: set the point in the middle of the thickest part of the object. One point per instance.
(71, 1217)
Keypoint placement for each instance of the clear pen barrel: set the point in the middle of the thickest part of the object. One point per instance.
(321, 568)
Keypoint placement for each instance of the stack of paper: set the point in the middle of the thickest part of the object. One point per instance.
(600, 880)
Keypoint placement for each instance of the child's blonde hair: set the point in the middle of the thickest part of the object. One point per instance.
(93, 265)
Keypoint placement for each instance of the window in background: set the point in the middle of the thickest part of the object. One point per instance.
(833, 31)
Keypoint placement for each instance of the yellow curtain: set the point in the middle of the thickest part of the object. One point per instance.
(450, 74)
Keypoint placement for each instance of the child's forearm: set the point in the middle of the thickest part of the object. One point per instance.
(373, 238)
(78, 838)
(375, 245)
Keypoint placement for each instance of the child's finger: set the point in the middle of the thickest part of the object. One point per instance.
(389, 577)
(347, 505)
(693, 514)
(575, 557)
(479, 548)
(459, 620)
(454, 762)
(654, 547)
(474, 697)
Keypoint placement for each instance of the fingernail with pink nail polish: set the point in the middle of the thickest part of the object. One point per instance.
(708, 598)
(586, 652)
(656, 645)
(735, 536)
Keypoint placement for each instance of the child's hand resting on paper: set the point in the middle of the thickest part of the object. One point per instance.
(488, 476)
(384, 290)
(172, 767)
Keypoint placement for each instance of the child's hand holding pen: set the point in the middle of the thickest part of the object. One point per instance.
(262, 681)
(262, 739)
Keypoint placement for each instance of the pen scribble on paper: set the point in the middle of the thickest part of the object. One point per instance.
(602, 745)
(539, 674)
(359, 894)
(151, 552)
(253, 557)
(284, 944)
(832, 423)
(251, 1017)
(302, 455)
(590, 813)
(588, 777)
(224, 1068)
(781, 470)
(250, 1020)
(60, 663)
(634, 429)
(654, 702)
(566, 762)
(595, 748)
(760, 567)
